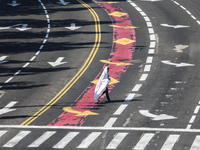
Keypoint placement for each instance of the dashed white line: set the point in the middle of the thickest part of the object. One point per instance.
(17, 72)
(151, 51)
(32, 58)
(196, 110)
(8, 80)
(110, 122)
(143, 77)
(120, 109)
(147, 68)
(192, 119)
(129, 97)
(149, 59)
(137, 87)
(25, 65)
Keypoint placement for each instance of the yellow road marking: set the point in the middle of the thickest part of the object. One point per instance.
(80, 72)
(107, 2)
(124, 41)
(115, 63)
(112, 81)
(117, 14)
(125, 27)
(79, 113)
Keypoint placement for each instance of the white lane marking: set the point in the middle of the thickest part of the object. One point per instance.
(120, 109)
(8, 80)
(32, 58)
(196, 109)
(25, 65)
(2, 132)
(7, 109)
(169, 143)
(16, 139)
(188, 126)
(143, 13)
(188, 12)
(17, 72)
(147, 68)
(143, 77)
(88, 140)
(64, 141)
(151, 31)
(146, 19)
(117, 140)
(152, 37)
(149, 59)
(110, 122)
(42, 139)
(149, 24)
(144, 141)
(151, 51)
(193, 17)
(37, 53)
(196, 143)
(152, 45)
(192, 119)
(138, 9)
(137, 87)
(129, 97)
(41, 46)
(45, 40)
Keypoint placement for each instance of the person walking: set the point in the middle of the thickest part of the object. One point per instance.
(102, 85)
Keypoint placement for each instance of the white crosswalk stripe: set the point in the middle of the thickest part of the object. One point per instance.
(116, 141)
(169, 143)
(196, 143)
(89, 139)
(16, 139)
(42, 139)
(64, 141)
(144, 141)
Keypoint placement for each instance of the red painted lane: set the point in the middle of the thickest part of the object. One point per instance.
(119, 52)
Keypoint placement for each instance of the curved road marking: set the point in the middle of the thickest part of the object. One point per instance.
(81, 71)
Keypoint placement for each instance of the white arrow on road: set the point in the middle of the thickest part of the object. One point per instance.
(174, 26)
(156, 117)
(23, 28)
(57, 62)
(176, 64)
(7, 109)
(152, 0)
(2, 59)
(73, 27)
(63, 2)
(14, 3)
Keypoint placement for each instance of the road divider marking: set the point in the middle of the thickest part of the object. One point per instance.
(79, 113)
(115, 63)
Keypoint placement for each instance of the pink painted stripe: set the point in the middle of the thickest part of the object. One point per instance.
(118, 53)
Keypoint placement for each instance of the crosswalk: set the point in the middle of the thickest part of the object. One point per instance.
(169, 141)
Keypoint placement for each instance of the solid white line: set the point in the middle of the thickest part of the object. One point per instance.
(192, 119)
(16, 139)
(88, 140)
(196, 110)
(144, 141)
(110, 122)
(147, 68)
(137, 87)
(169, 143)
(196, 143)
(129, 97)
(120, 109)
(143, 77)
(17, 72)
(149, 59)
(42, 139)
(64, 141)
(151, 51)
(32, 58)
(25, 65)
(8, 80)
(116, 141)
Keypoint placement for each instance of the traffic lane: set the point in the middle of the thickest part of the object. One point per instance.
(21, 35)
(93, 70)
(161, 81)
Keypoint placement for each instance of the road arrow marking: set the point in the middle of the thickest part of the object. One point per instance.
(79, 113)
(7, 109)
(156, 117)
(152, 0)
(23, 28)
(62, 2)
(2, 58)
(174, 26)
(179, 48)
(73, 27)
(115, 63)
(176, 64)
(57, 62)
(14, 3)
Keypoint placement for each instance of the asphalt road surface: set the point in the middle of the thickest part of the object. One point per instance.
(52, 53)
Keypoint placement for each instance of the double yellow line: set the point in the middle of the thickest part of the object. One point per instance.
(81, 71)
